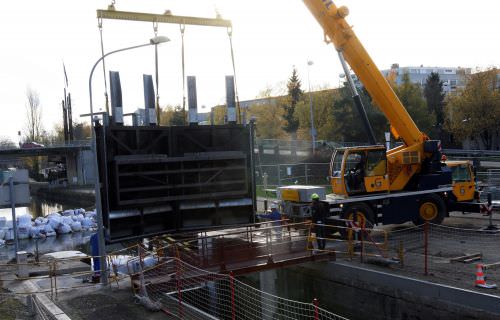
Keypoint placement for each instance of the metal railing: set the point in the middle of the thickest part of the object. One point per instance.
(297, 173)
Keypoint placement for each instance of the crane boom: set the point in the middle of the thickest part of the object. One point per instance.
(338, 31)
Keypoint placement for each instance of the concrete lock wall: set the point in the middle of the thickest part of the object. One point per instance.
(359, 293)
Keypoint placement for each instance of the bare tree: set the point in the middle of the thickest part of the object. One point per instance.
(6, 143)
(33, 128)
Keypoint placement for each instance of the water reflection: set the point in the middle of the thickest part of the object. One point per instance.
(63, 242)
(42, 207)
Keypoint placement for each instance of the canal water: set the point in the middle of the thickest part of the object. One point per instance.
(41, 207)
(62, 242)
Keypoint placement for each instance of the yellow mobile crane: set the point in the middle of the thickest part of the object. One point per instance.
(370, 183)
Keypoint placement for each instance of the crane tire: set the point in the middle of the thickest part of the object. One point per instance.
(431, 209)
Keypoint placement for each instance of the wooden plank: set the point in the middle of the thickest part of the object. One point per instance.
(474, 256)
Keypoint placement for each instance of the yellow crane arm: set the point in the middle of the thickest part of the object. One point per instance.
(331, 19)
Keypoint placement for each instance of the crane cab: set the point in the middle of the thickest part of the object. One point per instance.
(464, 181)
(359, 170)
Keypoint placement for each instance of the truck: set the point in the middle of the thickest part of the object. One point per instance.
(372, 185)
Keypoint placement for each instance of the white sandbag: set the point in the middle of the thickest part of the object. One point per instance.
(68, 213)
(67, 220)
(90, 214)
(24, 219)
(48, 228)
(49, 231)
(80, 211)
(76, 226)
(3, 222)
(23, 231)
(40, 221)
(87, 223)
(36, 232)
(54, 221)
(53, 214)
(63, 228)
(79, 217)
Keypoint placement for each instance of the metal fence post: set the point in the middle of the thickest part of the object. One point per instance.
(426, 244)
(362, 243)
(279, 175)
(316, 311)
(233, 306)
(305, 173)
(178, 284)
(401, 253)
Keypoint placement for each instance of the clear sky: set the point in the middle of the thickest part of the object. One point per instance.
(270, 37)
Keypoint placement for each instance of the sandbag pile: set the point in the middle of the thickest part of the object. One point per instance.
(55, 223)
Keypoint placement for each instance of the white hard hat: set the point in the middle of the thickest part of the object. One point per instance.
(273, 206)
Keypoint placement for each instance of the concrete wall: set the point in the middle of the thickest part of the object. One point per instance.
(358, 293)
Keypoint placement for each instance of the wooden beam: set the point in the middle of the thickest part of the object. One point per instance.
(162, 18)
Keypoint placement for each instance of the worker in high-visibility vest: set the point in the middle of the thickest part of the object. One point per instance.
(319, 214)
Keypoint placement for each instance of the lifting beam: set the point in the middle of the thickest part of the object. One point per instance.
(163, 18)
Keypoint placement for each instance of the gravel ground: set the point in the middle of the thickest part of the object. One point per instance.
(12, 308)
(104, 304)
(444, 244)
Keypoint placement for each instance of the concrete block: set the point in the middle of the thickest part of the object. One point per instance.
(22, 264)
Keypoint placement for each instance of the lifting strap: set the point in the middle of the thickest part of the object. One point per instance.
(157, 107)
(183, 28)
(99, 24)
(238, 111)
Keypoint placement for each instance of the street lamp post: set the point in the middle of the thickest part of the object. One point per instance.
(313, 130)
(100, 229)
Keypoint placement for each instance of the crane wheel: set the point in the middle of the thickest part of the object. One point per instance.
(359, 213)
(431, 209)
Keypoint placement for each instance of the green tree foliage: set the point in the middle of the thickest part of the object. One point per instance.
(268, 115)
(434, 95)
(412, 98)
(173, 116)
(475, 111)
(219, 114)
(294, 96)
(336, 117)
(269, 120)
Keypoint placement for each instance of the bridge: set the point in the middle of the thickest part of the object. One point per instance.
(47, 150)
(78, 154)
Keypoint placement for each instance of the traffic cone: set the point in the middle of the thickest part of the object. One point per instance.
(480, 282)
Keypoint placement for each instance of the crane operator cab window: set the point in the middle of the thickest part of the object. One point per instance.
(365, 171)
(355, 170)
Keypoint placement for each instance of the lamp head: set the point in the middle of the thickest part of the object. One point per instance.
(159, 39)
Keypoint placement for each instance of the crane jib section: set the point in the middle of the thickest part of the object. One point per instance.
(338, 31)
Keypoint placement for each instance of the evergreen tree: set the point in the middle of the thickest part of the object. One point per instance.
(433, 92)
(295, 94)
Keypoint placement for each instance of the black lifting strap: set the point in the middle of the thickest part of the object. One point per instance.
(183, 28)
(99, 24)
(230, 35)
